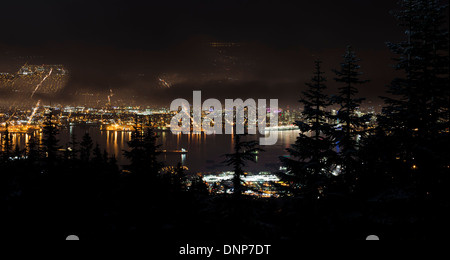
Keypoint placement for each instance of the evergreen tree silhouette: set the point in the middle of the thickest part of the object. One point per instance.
(7, 147)
(243, 152)
(198, 186)
(49, 144)
(136, 152)
(353, 125)
(143, 153)
(74, 149)
(86, 146)
(179, 178)
(105, 157)
(32, 150)
(17, 151)
(312, 156)
(151, 148)
(98, 156)
(174, 179)
(112, 163)
(415, 119)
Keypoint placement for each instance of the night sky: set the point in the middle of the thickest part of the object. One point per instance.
(128, 46)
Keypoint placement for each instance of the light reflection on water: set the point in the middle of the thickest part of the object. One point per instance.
(205, 152)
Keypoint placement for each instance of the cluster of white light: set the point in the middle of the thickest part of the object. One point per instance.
(261, 178)
(217, 178)
(226, 176)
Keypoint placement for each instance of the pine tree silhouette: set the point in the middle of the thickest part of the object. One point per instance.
(32, 151)
(86, 146)
(7, 147)
(312, 157)
(143, 153)
(416, 116)
(353, 125)
(98, 158)
(49, 144)
(74, 149)
(243, 152)
(17, 151)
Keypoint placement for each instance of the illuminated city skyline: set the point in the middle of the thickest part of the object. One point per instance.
(200, 122)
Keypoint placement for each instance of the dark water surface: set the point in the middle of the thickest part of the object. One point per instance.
(205, 152)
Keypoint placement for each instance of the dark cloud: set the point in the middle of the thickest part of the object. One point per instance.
(129, 45)
(156, 24)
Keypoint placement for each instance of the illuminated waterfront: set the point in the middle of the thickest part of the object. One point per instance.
(205, 153)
